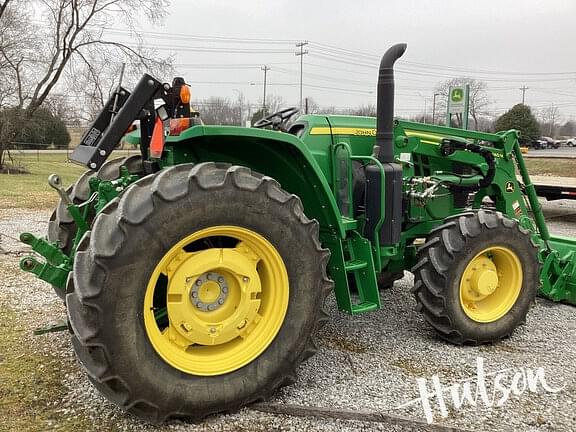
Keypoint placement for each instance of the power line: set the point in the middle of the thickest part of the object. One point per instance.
(350, 54)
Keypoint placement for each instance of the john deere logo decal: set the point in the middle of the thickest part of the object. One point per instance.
(457, 95)
(509, 186)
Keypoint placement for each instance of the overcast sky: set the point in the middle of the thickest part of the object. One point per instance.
(508, 43)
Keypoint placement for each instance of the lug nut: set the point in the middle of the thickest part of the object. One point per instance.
(221, 279)
(198, 282)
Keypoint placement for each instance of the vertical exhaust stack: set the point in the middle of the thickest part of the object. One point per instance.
(385, 103)
(388, 226)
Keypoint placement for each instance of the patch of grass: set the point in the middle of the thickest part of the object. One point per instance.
(551, 167)
(31, 385)
(32, 190)
(344, 344)
(417, 368)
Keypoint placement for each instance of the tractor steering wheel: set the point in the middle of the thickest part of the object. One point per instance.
(277, 120)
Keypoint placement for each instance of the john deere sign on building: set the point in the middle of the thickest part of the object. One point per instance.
(458, 104)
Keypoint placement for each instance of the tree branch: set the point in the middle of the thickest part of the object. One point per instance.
(3, 7)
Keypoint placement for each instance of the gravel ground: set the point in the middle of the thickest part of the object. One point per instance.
(370, 362)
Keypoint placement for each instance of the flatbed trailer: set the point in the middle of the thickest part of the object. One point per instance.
(554, 188)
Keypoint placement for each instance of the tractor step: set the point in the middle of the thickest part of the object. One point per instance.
(354, 265)
(352, 268)
(364, 307)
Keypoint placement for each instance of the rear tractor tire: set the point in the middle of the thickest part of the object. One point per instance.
(199, 290)
(476, 277)
(61, 226)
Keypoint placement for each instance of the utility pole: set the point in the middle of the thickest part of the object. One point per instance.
(523, 90)
(265, 69)
(434, 108)
(301, 53)
(552, 118)
(240, 104)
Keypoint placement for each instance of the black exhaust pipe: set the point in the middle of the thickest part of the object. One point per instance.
(385, 103)
(388, 232)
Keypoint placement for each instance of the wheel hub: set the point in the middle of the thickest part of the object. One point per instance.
(222, 286)
(209, 291)
(484, 282)
(223, 305)
(480, 279)
(490, 284)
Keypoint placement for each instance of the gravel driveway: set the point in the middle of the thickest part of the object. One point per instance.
(369, 363)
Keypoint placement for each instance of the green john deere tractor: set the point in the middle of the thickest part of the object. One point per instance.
(194, 274)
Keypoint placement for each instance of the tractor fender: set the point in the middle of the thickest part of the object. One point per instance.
(279, 155)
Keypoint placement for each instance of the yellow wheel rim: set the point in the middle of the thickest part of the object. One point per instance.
(216, 300)
(491, 284)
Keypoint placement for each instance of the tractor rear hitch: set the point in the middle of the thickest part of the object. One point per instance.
(55, 183)
(54, 275)
(55, 270)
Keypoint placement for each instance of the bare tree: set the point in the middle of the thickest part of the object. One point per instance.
(93, 80)
(274, 103)
(368, 110)
(478, 98)
(15, 50)
(72, 34)
(218, 110)
(550, 117)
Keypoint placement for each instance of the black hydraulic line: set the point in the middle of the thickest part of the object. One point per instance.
(449, 146)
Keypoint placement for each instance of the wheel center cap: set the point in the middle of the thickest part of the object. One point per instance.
(485, 282)
(209, 291)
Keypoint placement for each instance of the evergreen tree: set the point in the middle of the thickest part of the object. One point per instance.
(520, 117)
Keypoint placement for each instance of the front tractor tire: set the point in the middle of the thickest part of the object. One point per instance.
(199, 290)
(476, 277)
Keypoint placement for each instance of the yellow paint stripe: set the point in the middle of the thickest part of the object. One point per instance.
(320, 131)
(343, 131)
(430, 138)
(426, 138)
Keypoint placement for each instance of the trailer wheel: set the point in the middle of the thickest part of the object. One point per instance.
(476, 277)
(199, 290)
(61, 226)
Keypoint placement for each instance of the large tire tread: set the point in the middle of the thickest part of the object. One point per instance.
(86, 283)
(441, 253)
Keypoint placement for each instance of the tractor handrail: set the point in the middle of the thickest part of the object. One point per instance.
(378, 225)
